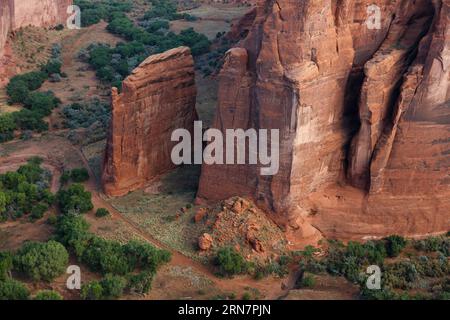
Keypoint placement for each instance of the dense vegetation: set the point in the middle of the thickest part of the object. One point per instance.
(22, 89)
(25, 192)
(151, 36)
(128, 266)
(41, 261)
(424, 267)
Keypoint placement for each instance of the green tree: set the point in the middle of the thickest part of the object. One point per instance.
(230, 261)
(11, 289)
(41, 261)
(113, 286)
(79, 175)
(92, 291)
(75, 198)
(48, 295)
(6, 265)
(101, 212)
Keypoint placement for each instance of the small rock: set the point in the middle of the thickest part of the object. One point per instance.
(205, 241)
(200, 215)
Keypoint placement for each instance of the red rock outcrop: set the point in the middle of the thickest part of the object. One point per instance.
(157, 98)
(353, 104)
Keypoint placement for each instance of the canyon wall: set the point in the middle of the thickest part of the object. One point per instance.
(15, 14)
(363, 115)
(157, 98)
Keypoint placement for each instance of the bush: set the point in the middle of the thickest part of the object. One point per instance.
(79, 175)
(75, 198)
(48, 295)
(140, 283)
(25, 191)
(101, 212)
(72, 231)
(41, 261)
(6, 264)
(394, 245)
(7, 126)
(230, 261)
(113, 286)
(11, 289)
(91, 291)
(308, 281)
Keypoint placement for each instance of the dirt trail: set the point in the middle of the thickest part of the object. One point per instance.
(271, 287)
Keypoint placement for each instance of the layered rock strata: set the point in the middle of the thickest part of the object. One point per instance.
(157, 98)
(363, 115)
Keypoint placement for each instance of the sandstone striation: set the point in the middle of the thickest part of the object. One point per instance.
(157, 98)
(363, 114)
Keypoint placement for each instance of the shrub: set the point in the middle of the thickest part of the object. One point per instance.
(106, 256)
(79, 175)
(65, 178)
(308, 281)
(230, 261)
(91, 291)
(113, 286)
(394, 245)
(72, 231)
(41, 261)
(7, 126)
(11, 289)
(101, 212)
(140, 283)
(6, 264)
(48, 295)
(75, 198)
(38, 210)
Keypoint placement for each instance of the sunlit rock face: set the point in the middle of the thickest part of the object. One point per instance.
(157, 98)
(363, 115)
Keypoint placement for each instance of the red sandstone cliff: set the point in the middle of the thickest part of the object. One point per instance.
(156, 99)
(368, 107)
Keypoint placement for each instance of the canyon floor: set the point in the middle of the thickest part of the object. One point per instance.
(163, 212)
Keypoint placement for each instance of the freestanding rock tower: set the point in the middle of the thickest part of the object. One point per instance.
(157, 98)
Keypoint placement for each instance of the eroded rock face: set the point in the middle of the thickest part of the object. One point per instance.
(368, 107)
(157, 98)
(15, 14)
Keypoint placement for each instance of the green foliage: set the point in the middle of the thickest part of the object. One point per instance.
(93, 12)
(25, 191)
(101, 212)
(52, 66)
(79, 175)
(48, 295)
(140, 283)
(75, 198)
(7, 126)
(112, 65)
(230, 262)
(434, 244)
(87, 114)
(20, 86)
(91, 291)
(72, 231)
(107, 256)
(394, 245)
(6, 265)
(113, 286)
(308, 281)
(41, 102)
(11, 289)
(30, 120)
(41, 261)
